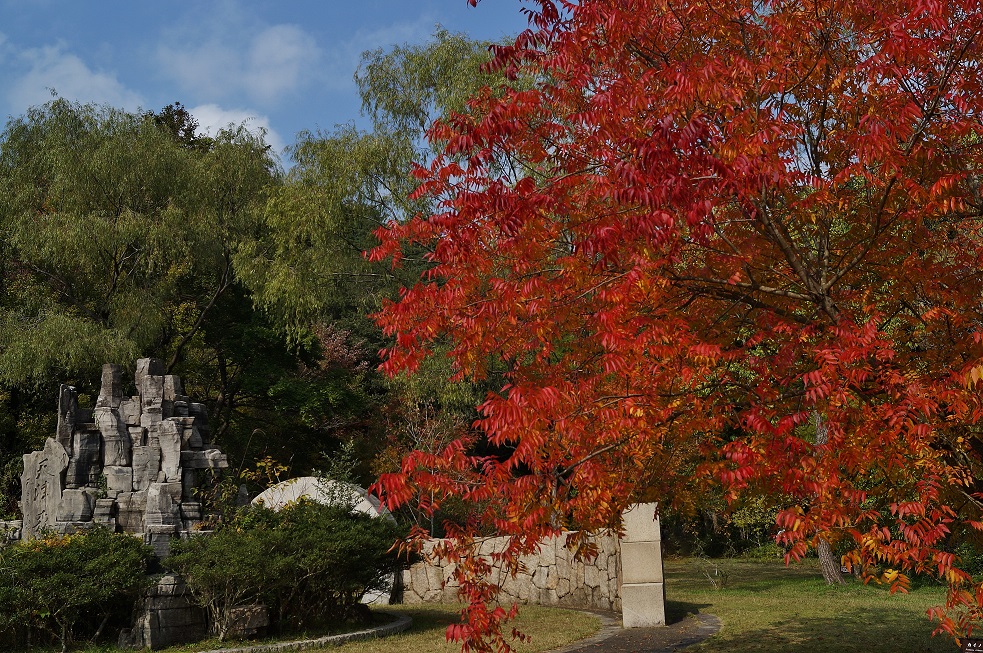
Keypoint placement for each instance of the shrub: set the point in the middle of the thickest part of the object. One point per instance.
(49, 584)
(309, 563)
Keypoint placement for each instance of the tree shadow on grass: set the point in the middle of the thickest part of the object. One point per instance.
(871, 630)
(430, 619)
(676, 611)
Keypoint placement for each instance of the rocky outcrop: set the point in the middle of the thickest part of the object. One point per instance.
(131, 463)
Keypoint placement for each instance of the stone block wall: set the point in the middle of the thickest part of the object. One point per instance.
(551, 577)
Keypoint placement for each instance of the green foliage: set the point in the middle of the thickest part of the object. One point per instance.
(53, 584)
(128, 235)
(111, 226)
(715, 529)
(308, 265)
(183, 126)
(345, 184)
(408, 87)
(309, 563)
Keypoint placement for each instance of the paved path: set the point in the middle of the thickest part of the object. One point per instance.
(612, 638)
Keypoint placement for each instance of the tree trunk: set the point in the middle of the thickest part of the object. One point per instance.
(827, 561)
(829, 564)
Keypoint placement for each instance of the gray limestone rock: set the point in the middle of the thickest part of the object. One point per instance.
(77, 505)
(152, 392)
(191, 439)
(138, 435)
(171, 391)
(172, 387)
(144, 452)
(86, 462)
(159, 537)
(200, 413)
(131, 507)
(104, 510)
(118, 479)
(129, 410)
(163, 501)
(169, 437)
(189, 481)
(115, 435)
(148, 367)
(72, 527)
(150, 417)
(191, 511)
(68, 408)
(111, 390)
(186, 427)
(41, 487)
(146, 466)
(166, 616)
(210, 459)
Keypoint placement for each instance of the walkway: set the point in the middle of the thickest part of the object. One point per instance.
(612, 638)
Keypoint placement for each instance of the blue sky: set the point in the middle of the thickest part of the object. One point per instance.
(285, 66)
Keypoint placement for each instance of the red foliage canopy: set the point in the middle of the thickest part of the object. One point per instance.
(702, 224)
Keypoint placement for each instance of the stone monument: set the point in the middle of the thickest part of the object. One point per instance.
(131, 463)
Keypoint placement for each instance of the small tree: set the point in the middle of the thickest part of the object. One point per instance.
(309, 563)
(51, 583)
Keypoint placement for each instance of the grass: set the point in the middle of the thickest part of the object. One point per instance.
(768, 608)
(548, 628)
(765, 607)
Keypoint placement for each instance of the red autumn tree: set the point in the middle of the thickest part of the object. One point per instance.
(695, 229)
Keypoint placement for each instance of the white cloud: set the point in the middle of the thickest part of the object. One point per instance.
(275, 62)
(213, 118)
(51, 67)
(278, 57)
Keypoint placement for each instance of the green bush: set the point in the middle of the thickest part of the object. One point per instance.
(66, 586)
(309, 563)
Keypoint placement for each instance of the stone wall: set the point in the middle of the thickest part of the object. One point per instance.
(550, 577)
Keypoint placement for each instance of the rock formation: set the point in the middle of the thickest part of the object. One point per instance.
(131, 463)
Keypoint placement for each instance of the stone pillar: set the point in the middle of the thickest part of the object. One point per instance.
(643, 596)
(68, 408)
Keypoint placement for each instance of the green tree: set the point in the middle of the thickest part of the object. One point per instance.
(309, 563)
(307, 270)
(52, 583)
(118, 240)
(309, 266)
(119, 233)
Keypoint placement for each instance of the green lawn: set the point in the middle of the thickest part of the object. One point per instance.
(764, 606)
(548, 628)
(767, 607)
